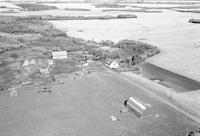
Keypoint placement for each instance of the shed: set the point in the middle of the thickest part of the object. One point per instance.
(114, 64)
(111, 63)
(59, 55)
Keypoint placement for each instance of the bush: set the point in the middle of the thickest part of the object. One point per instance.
(14, 55)
(14, 28)
(100, 54)
(138, 47)
(106, 43)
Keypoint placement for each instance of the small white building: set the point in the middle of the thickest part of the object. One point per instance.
(59, 55)
(32, 62)
(44, 71)
(112, 64)
(50, 62)
(26, 63)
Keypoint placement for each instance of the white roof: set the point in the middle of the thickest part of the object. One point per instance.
(59, 55)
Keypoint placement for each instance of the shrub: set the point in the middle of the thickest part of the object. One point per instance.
(138, 47)
(14, 55)
(107, 43)
(100, 54)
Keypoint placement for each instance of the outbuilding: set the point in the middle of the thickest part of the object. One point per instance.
(59, 55)
(112, 63)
